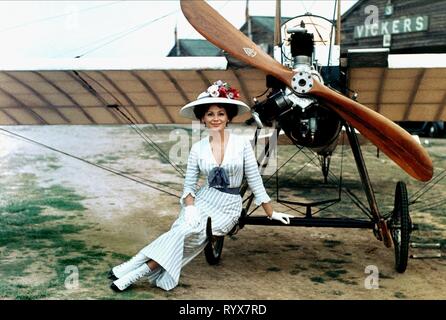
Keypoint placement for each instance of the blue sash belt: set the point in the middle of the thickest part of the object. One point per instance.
(219, 180)
(229, 190)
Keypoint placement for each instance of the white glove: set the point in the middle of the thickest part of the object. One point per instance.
(192, 216)
(282, 217)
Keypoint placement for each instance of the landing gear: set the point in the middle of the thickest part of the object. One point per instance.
(214, 247)
(400, 227)
(325, 165)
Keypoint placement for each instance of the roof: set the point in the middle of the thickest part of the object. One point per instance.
(195, 48)
(203, 48)
(351, 9)
(267, 22)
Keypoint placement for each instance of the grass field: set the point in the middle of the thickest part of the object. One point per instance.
(64, 223)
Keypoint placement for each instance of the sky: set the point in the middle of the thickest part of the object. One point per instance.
(119, 29)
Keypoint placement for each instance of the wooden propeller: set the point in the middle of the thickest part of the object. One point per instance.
(394, 141)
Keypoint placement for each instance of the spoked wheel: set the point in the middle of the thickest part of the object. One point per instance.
(214, 247)
(400, 227)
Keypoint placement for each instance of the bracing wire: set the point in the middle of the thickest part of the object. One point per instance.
(132, 122)
(333, 178)
(432, 205)
(112, 170)
(117, 34)
(44, 19)
(125, 33)
(271, 176)
(331, 33)
(428, 186)
(152, 143)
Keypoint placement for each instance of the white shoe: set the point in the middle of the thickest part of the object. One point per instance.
(132, 264)
(130, 278)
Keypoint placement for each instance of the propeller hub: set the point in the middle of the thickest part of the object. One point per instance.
(302, 81)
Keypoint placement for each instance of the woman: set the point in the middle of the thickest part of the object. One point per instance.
(223, 158)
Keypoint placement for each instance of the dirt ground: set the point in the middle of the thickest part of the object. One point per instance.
(60, 214)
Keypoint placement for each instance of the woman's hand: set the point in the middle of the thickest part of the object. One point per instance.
(192, 216)
(282, 217)
(274, 215)
(189, 200)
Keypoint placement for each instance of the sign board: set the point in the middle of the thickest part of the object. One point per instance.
(395, 26)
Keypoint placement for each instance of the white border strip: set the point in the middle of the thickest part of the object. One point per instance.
(368, 50)
(146, 63)
(422, 60)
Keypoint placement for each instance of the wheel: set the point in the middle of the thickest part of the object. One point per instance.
(401, 227)
(213, 250)
(214, 247)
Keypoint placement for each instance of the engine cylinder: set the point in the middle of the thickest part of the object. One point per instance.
(302, 44)
(314, 127)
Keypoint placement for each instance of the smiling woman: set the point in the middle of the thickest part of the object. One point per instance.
(224, 159)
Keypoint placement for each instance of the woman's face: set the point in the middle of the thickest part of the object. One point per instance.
(215, 118)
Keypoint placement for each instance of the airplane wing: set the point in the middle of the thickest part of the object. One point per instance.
(79, 91)
(402, 87)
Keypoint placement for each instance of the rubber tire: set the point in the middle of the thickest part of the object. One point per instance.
(401, 227)
(213, 250)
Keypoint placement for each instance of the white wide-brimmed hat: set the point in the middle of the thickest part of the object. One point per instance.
(219, 93)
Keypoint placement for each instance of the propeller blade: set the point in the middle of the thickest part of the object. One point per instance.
(394, 141)
(211, 25)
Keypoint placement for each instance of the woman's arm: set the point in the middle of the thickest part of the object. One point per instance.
(254, 179)
(268, 208)
(190, 181)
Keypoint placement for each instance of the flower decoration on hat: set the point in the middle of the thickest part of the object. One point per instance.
(222, 89)
(218, 93)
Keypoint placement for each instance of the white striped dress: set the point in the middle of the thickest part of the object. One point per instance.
(182, 243)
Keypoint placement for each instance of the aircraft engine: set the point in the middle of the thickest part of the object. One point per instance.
(303, 119)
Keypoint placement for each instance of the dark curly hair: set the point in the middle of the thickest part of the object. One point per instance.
(200, 110)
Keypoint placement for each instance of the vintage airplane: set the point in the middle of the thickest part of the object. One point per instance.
(85, 91)
(311, 114)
